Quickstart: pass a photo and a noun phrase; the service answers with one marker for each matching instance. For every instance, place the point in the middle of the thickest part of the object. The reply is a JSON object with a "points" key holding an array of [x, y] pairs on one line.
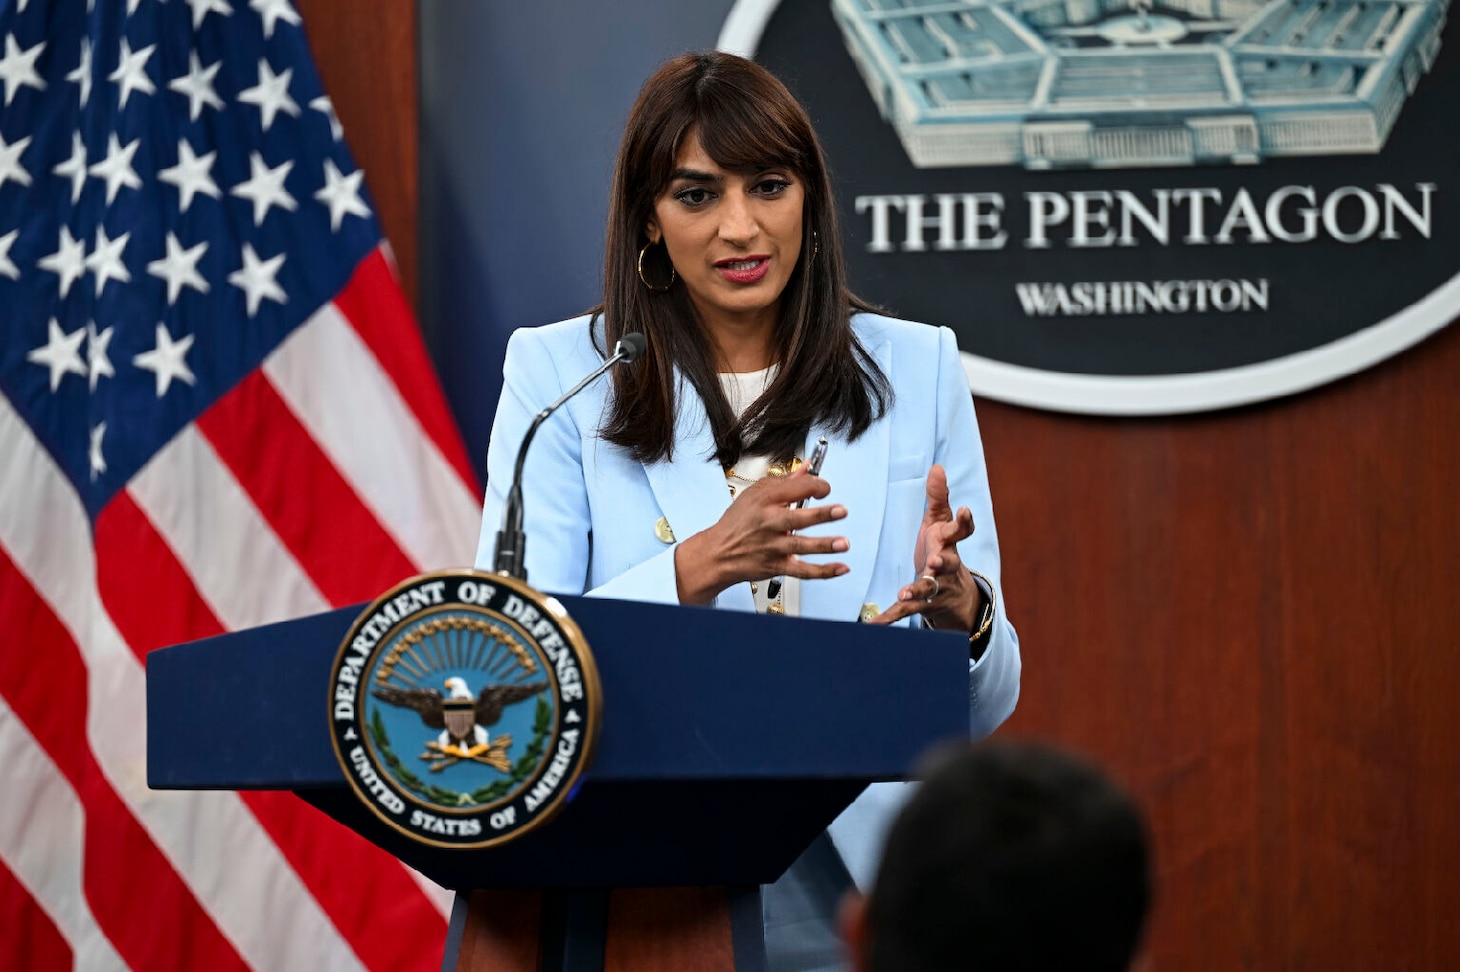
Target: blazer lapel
{"points": [[857, 472], [691, 489]]}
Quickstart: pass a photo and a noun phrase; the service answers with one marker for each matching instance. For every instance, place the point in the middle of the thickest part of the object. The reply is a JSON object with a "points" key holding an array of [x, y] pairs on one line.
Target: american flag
{"points": [[215, 412]]}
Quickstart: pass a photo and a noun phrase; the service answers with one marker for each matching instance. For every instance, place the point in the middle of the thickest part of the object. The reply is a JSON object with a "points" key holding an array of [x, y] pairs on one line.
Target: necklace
{"points": [[737, 483]]}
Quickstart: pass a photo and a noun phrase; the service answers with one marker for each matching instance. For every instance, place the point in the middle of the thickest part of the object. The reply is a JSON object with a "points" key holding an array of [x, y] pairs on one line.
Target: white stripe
{"points": [[440, 898], [215, 844], [42, 828], [235, 559], [333, 383]]}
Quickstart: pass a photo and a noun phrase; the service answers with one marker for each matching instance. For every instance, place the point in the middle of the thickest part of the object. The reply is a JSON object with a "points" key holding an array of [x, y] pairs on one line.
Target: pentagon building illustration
{"points": [[1126, 83]]}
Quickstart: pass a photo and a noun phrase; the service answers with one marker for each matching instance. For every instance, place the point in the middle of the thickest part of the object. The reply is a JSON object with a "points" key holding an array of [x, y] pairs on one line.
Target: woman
{"points": [[679, 481]]}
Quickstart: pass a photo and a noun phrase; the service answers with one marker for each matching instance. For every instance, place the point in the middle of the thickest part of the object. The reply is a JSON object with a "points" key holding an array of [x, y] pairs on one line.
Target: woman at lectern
{"points": [[682, 479]]}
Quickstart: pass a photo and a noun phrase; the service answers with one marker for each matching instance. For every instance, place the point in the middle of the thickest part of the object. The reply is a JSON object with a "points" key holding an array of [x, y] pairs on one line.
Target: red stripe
{"points": [[318, 517], [138, 900], [377, 309], [378, 909], [167, 615], [137, 572], [31, 940]]}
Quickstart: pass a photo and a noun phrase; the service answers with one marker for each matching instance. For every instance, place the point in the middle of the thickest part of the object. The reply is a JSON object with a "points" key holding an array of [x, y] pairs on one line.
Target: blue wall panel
{"points": [[522, 106]]}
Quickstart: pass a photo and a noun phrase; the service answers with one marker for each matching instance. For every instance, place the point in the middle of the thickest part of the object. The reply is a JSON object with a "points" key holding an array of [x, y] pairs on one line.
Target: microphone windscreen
{"points": [[631, 346]]}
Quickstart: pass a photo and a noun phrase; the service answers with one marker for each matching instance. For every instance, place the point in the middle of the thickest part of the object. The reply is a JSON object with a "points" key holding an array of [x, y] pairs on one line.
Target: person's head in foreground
{"points": [[1008, 857]]}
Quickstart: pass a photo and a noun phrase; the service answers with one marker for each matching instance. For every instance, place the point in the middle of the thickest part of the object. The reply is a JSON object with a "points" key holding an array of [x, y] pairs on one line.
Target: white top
{"points": [[742, 390]]}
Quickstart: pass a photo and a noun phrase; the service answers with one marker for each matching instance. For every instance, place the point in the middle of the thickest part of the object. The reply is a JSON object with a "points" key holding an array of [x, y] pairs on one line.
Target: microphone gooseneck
{"points": [[511, 541]]}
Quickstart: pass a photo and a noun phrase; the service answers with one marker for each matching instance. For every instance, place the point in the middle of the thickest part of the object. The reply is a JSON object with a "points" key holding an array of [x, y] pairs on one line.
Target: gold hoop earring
{"points": [[657, 290]]}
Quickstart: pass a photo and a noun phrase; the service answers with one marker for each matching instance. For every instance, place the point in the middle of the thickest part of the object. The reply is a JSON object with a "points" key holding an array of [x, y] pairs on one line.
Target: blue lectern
{"points": [[729, 741]]}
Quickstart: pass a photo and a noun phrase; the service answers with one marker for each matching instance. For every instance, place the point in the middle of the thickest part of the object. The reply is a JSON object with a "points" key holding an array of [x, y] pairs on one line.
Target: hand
{"points": [[944, 592], [755, 539]]}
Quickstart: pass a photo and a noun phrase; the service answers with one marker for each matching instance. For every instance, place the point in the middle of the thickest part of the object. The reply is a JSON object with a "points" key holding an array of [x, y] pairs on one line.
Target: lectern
{"points": [[729, 741]]}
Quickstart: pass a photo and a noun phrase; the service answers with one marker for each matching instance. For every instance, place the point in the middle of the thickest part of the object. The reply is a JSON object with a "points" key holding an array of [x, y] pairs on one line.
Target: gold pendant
{"points": [[662, 530], [774, 607]]}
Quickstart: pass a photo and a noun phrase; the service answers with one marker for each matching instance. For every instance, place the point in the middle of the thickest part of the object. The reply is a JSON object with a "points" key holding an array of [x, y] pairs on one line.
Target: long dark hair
{"points": [[746, 121]]}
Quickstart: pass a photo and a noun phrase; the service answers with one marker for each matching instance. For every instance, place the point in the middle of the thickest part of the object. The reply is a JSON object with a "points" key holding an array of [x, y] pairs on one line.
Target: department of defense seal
{"points": [[463, 707]]}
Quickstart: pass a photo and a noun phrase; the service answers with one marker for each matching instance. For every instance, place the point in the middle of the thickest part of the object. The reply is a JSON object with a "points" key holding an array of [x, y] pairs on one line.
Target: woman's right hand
{"points": [[756, 539]]}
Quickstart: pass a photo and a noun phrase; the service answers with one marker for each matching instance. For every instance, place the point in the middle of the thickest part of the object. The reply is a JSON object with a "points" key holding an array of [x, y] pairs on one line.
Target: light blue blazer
{"points": [[590, 510]]}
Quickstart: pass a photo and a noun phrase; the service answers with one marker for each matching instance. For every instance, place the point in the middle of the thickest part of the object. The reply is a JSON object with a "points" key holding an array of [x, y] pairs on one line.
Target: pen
{"points": [[813, 468]]}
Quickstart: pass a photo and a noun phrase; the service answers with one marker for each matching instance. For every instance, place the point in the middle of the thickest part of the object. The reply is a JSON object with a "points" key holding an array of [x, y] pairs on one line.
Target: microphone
{"points": [[511, 541]]}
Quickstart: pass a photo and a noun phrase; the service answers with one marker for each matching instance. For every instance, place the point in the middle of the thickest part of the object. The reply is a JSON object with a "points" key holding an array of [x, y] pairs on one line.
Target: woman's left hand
{"points": [[944, 592]]}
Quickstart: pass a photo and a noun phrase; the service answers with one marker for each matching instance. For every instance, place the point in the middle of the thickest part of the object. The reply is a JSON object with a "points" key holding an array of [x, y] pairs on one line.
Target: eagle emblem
{"points": [[462, 719], [463, 708]]}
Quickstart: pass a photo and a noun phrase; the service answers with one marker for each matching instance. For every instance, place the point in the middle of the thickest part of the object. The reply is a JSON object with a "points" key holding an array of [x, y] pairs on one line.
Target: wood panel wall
{"points": [[366, 55], [1250, 617]]}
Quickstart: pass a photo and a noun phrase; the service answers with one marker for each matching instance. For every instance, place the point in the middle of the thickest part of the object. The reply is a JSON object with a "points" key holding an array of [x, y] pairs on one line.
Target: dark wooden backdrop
{"points": [[1251, 617]]}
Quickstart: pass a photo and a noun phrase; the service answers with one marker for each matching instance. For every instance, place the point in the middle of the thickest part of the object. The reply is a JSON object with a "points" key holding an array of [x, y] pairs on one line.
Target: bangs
{"points": [[745, 124], [745, 134]]}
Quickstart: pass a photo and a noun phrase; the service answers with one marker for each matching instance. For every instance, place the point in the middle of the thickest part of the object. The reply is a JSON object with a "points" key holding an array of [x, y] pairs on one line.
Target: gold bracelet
{"points": [[986, 622]]}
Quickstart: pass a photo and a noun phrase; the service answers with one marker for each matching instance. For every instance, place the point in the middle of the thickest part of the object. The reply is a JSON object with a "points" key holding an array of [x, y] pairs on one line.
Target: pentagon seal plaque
{"points": [[463, 708], [1138, 207]]}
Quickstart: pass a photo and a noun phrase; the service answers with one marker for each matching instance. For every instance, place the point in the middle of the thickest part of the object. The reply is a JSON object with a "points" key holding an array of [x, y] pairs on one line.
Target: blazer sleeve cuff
{"points": [[653, 581]]}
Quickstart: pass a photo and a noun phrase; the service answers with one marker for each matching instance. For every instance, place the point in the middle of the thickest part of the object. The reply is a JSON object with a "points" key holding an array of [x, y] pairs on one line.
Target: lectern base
{"points": [[619, 930]]}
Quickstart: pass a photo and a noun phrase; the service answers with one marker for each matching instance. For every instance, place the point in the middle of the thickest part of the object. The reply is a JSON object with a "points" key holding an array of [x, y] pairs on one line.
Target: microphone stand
{"points": [[511, 541]]}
